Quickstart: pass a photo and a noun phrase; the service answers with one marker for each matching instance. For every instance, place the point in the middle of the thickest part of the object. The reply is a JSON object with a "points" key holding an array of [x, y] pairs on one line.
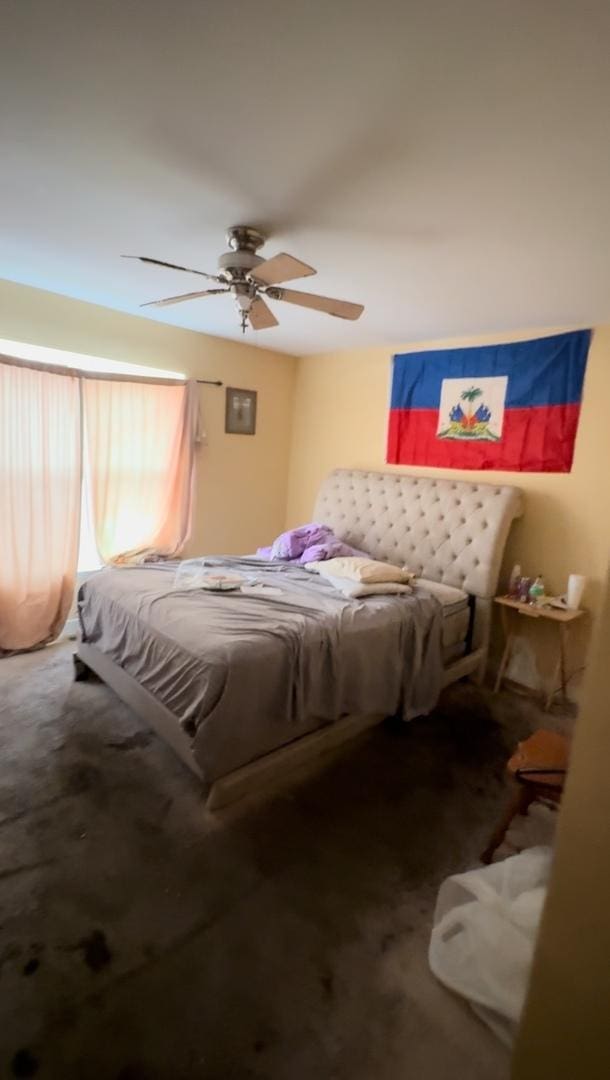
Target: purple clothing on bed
{"points": [[307, 543], [331, 549], [292, 544]]}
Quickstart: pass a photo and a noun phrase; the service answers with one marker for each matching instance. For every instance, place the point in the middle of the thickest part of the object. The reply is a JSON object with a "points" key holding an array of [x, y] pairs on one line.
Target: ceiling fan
{"points": [[249, 279]]}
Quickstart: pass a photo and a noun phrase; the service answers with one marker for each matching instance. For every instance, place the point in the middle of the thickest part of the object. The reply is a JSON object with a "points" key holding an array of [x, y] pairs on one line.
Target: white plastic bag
{"points": [[485, 927], [200, 574]]}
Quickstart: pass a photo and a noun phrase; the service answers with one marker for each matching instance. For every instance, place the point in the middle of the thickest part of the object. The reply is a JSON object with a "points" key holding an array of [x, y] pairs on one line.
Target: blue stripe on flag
{"points": [[545, 371]]}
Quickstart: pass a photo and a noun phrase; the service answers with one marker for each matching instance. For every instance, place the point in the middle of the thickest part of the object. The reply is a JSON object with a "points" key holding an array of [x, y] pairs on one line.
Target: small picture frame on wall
{"points": [[240, 411]]}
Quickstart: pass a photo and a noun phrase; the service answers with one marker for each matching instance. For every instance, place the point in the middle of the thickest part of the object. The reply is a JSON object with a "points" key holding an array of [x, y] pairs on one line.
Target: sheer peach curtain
{"points": [[40, 483], [140, 442]]}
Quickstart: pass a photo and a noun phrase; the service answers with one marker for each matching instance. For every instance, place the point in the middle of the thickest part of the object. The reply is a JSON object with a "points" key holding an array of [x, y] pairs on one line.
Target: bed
{"points": [[250, 685]]}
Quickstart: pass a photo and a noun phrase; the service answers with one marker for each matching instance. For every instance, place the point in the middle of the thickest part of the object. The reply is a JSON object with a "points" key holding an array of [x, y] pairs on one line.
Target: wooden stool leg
{"points": [[522, 797]]}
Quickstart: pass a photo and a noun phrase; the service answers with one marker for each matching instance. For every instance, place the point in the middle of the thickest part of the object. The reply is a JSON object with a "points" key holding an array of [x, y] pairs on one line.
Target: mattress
{"points": [[246, 672], [456, 617]]}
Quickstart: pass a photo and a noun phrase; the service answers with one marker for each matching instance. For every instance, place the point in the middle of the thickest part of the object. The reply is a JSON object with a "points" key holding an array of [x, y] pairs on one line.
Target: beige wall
{"points": [[242, 480], [341, 408], [565, 1032]]}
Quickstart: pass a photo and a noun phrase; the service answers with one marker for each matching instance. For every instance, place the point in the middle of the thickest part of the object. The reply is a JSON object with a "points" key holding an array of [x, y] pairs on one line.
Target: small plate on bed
{"points": [[220, 582]]}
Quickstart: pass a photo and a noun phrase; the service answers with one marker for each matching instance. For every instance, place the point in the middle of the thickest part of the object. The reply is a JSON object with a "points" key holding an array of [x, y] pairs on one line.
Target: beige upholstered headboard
{"points": [[445, 530]]}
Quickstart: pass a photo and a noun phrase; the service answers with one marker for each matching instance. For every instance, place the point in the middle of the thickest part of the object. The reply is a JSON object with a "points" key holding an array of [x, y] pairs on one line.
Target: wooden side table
{"points": [[562, 620]]}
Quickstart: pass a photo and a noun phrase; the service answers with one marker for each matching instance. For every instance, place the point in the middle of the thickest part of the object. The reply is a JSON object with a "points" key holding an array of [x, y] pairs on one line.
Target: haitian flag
{"points": [[511, 407]]}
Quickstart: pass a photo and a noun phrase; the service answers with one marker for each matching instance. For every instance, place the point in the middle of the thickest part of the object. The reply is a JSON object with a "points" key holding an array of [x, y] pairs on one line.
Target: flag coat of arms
{"points": [[510, 407]]}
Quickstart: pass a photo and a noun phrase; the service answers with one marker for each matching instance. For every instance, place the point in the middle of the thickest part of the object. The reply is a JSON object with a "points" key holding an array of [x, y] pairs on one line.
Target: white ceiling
{"points": [[446, 164]]}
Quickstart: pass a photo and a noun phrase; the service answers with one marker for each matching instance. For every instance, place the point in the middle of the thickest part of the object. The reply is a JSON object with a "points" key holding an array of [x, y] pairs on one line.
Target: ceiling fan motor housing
{"points": [[244, 241], [244, 238], [236, 264]]}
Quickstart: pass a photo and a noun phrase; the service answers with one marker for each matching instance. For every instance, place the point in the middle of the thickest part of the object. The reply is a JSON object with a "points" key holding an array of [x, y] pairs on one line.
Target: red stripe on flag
{"points": [[537, 439]]}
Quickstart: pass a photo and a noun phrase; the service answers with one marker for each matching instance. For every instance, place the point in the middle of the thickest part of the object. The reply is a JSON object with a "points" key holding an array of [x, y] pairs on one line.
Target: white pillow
{"points": [[355, 589], [358, 568]]}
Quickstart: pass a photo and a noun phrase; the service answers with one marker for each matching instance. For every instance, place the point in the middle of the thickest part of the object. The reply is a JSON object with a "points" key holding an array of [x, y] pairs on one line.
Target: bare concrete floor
{"points": [[139, 941]]}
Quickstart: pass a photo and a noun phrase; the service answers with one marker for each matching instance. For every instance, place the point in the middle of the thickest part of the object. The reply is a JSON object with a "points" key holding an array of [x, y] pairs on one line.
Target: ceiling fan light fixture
{"points": [[243, 301], [249, 278]]}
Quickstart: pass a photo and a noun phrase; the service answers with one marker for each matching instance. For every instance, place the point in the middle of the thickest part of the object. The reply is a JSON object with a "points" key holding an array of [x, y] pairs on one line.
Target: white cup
{"points": [[576, 587]]}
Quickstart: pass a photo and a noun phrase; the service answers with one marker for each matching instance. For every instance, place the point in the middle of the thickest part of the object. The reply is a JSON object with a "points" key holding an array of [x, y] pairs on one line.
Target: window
{"points": [[88, 557]]}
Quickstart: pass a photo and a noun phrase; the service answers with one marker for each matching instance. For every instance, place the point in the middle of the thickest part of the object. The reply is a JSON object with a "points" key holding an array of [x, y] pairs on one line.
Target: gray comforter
{"points": [[246, 672]]}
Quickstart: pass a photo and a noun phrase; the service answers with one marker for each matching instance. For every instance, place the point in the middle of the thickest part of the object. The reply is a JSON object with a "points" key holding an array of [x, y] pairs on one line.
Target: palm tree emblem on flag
{"points": [[466, 422]]}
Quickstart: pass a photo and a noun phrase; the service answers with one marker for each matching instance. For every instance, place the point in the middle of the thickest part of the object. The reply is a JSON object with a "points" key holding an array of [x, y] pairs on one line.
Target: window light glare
{"points": [[42, 354]]}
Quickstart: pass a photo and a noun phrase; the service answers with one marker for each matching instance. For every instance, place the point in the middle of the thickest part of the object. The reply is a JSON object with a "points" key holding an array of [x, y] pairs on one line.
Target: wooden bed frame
{"points": [[419, 533], [261, 774], [249, 779]]}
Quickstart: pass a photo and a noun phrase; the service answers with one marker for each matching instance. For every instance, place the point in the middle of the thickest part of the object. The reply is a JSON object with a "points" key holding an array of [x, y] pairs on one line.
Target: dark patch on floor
{"points": [[81, 777], [287, 941], [25, 868], [94, 947], [133, 1072], [24, 1063]]}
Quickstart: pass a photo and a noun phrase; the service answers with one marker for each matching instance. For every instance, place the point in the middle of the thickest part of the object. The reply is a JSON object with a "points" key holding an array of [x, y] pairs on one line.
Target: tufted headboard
{"points": [[445, 530]]}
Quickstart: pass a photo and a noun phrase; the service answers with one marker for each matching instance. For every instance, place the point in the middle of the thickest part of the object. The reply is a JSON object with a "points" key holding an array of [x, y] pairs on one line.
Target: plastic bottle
{"points": [[536, 590], [524, 589]]}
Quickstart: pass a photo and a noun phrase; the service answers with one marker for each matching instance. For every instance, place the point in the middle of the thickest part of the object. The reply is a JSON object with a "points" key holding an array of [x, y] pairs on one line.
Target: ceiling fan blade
{"points": [[281, 267], [260, 315], [342, 309], [185, 296], [171, 266]]}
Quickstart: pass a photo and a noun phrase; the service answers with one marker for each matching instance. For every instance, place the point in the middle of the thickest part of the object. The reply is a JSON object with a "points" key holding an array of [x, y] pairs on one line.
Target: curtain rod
{"points": [[79, 373]]}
